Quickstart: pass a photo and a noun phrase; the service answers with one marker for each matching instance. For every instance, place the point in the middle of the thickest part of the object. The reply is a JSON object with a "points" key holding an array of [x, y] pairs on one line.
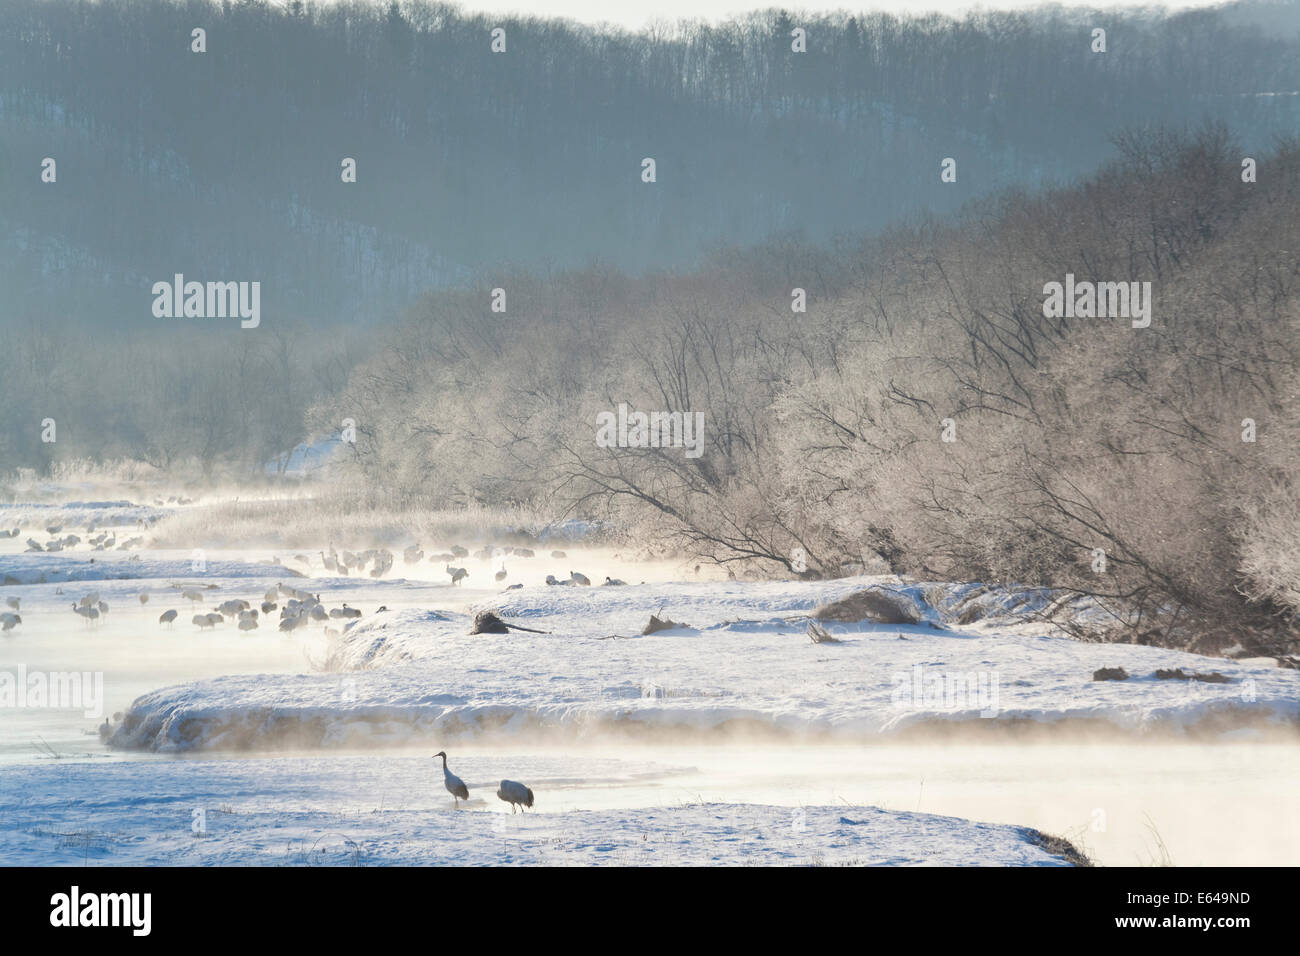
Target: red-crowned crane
{"points": [[455, 786], [513, 792]]}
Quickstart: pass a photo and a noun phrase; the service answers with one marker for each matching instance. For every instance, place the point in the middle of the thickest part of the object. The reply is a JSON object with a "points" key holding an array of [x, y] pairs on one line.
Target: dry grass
{"points": [[315, 522], [819, 635], [1060, 846]]}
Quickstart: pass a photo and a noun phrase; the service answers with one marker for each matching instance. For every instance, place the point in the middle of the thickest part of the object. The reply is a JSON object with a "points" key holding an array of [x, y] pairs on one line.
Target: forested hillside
{"points": [[226, 164], [926, 414]]}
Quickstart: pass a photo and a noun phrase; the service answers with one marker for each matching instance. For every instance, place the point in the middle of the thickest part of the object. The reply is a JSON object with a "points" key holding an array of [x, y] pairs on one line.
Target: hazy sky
{"points": [[636, 14]]}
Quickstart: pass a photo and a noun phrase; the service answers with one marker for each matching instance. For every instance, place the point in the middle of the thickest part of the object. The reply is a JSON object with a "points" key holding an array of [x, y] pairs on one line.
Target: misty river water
{"points": [[1124, 801]]}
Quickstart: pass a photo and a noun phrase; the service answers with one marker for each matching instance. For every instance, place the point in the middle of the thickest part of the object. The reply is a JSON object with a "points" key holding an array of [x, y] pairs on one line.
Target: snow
{"points": [[75, 516], [286, 760], [743, 664], [363, 810]]}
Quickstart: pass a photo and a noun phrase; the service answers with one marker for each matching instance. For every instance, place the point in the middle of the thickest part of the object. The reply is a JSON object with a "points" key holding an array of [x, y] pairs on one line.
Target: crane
{"points": [[513, 792], [455, 786]]}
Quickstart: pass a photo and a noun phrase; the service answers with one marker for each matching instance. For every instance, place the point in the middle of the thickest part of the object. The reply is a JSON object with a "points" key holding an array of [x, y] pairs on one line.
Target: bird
{"points": [[166, 617], [295, 622], [144, 598], [86, 611], [268, 607], [455, 786], [612, 581], [9, 621], [457, 574], [203, 620], [412, 554], [558, 554], [513, 792], [501, 575], [13, 602], [577, 577]]}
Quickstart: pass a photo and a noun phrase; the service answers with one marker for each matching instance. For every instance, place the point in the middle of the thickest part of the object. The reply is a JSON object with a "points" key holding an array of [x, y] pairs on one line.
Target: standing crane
{"points": [[513, 792], [455, 786]]}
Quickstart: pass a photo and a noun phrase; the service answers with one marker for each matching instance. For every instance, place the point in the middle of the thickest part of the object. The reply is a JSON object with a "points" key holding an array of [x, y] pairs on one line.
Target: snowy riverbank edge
{"points": [[364, 811], [741, 664]]}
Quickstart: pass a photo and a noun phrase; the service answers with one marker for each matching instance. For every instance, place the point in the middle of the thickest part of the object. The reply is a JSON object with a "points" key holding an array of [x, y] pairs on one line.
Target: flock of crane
{"points": [[300, 609], [104, 541], [347, 563], [511, 791], [297, 608]]}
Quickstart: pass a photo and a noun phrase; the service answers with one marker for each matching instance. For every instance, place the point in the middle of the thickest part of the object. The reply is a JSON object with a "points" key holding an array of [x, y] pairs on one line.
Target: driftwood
{"points": [[486, 622], [1110, 673], [819, 635], [1214, 677], [667, 624], [873, 604]]}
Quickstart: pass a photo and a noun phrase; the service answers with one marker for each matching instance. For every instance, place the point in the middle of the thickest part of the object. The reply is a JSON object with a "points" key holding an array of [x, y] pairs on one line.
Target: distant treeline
{"points": [[924, 415], [225, 165], [191, 402]]}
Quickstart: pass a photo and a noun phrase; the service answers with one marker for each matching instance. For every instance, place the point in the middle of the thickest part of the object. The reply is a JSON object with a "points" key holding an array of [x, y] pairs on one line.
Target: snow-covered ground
{"points": [[776, 720], [369, 811], [744, 664]]}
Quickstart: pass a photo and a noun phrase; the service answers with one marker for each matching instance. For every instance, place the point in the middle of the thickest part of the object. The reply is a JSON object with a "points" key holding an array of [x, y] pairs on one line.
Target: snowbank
{"points": [[744, 664], [373, 811]]}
